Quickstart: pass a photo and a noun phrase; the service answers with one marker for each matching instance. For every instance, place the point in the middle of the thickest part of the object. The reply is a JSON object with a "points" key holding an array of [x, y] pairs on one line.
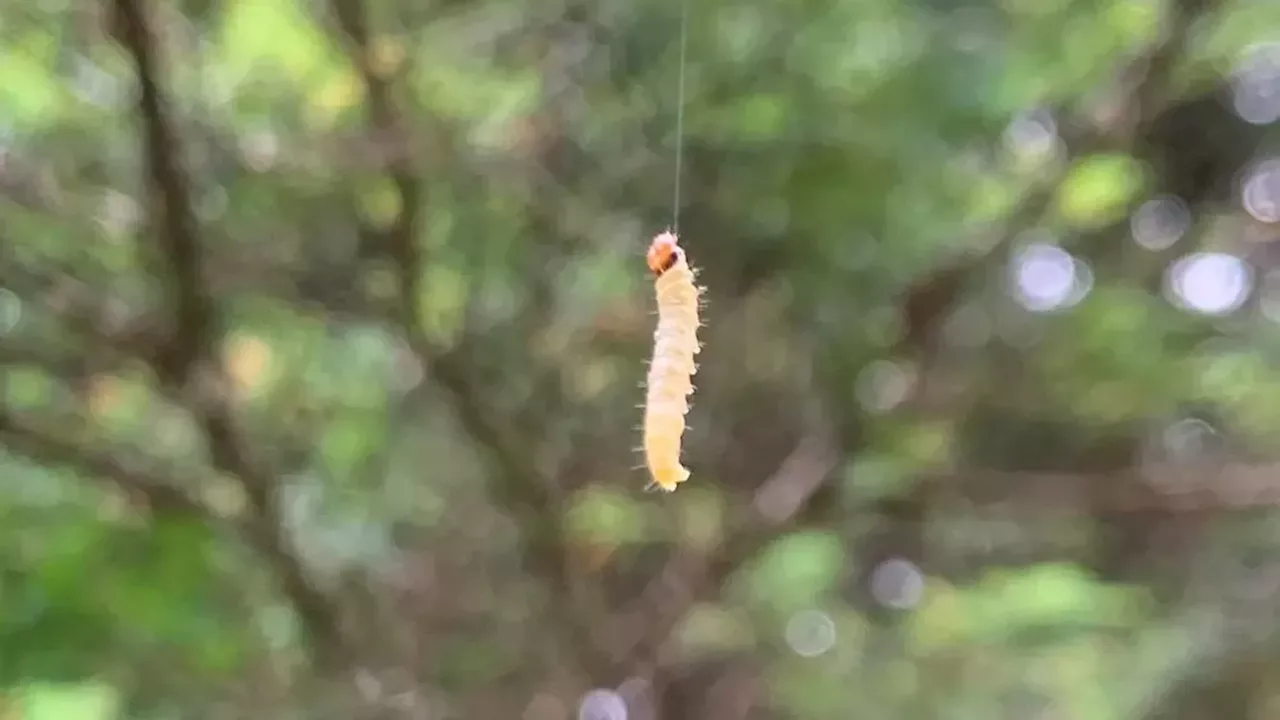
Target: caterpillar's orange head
{"points": [[664, 252]]}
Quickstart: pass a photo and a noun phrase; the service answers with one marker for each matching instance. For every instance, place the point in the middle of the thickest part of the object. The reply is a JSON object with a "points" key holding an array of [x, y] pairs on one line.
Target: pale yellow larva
{"points": [[675, 343]]}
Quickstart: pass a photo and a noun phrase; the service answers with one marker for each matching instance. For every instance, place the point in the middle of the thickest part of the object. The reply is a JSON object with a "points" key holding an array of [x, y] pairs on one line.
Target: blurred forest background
{"points": [[322, 325]]}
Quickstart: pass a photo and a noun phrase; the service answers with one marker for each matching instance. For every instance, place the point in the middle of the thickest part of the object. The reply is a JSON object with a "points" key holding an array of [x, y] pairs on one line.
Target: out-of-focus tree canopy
{"points": [[323, 324]]}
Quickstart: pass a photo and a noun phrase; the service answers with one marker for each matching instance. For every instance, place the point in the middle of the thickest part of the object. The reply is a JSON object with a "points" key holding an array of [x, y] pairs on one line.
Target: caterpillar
{"points": [[675, 343]]}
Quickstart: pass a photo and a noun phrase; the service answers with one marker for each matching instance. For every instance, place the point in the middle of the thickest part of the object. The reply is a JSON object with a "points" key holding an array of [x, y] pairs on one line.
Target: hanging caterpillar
{"points": [[675, 343]]}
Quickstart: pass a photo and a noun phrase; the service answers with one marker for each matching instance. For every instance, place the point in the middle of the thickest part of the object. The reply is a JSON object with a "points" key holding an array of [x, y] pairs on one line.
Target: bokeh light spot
{"points": [[1048, 278], [1160, 222], [1255, 85], [1032, 136], [1261, 193], [883, 385], [897, 583], [1189, 439], [1209, 283], [810, 633], [601, 704], [10, 311]]}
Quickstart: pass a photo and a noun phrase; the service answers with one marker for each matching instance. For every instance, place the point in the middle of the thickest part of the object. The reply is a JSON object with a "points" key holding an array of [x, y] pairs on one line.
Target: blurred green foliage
{"points": [[396, 480]]}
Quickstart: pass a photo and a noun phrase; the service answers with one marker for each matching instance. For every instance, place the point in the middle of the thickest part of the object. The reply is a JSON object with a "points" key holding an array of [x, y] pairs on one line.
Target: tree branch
{"points": [[1158, 487], [195, 333], [393, 141], [194, 314], [521, 488], [131, 471]]}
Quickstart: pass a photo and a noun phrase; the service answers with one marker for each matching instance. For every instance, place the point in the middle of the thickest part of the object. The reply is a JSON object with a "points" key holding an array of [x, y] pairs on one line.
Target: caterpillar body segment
{"points": [[675, 345]]}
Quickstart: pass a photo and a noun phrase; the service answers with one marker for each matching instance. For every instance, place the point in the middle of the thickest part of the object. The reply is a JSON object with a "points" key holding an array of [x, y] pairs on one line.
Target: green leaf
{"points": [[1098, 189], [876, 476], [30, 95], [607, 517], [26, 388], [275, 32], [442, 302], [796, 570], [1052, 597], [714, 628], [347, 442], [759, 118], [88, 701]]}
